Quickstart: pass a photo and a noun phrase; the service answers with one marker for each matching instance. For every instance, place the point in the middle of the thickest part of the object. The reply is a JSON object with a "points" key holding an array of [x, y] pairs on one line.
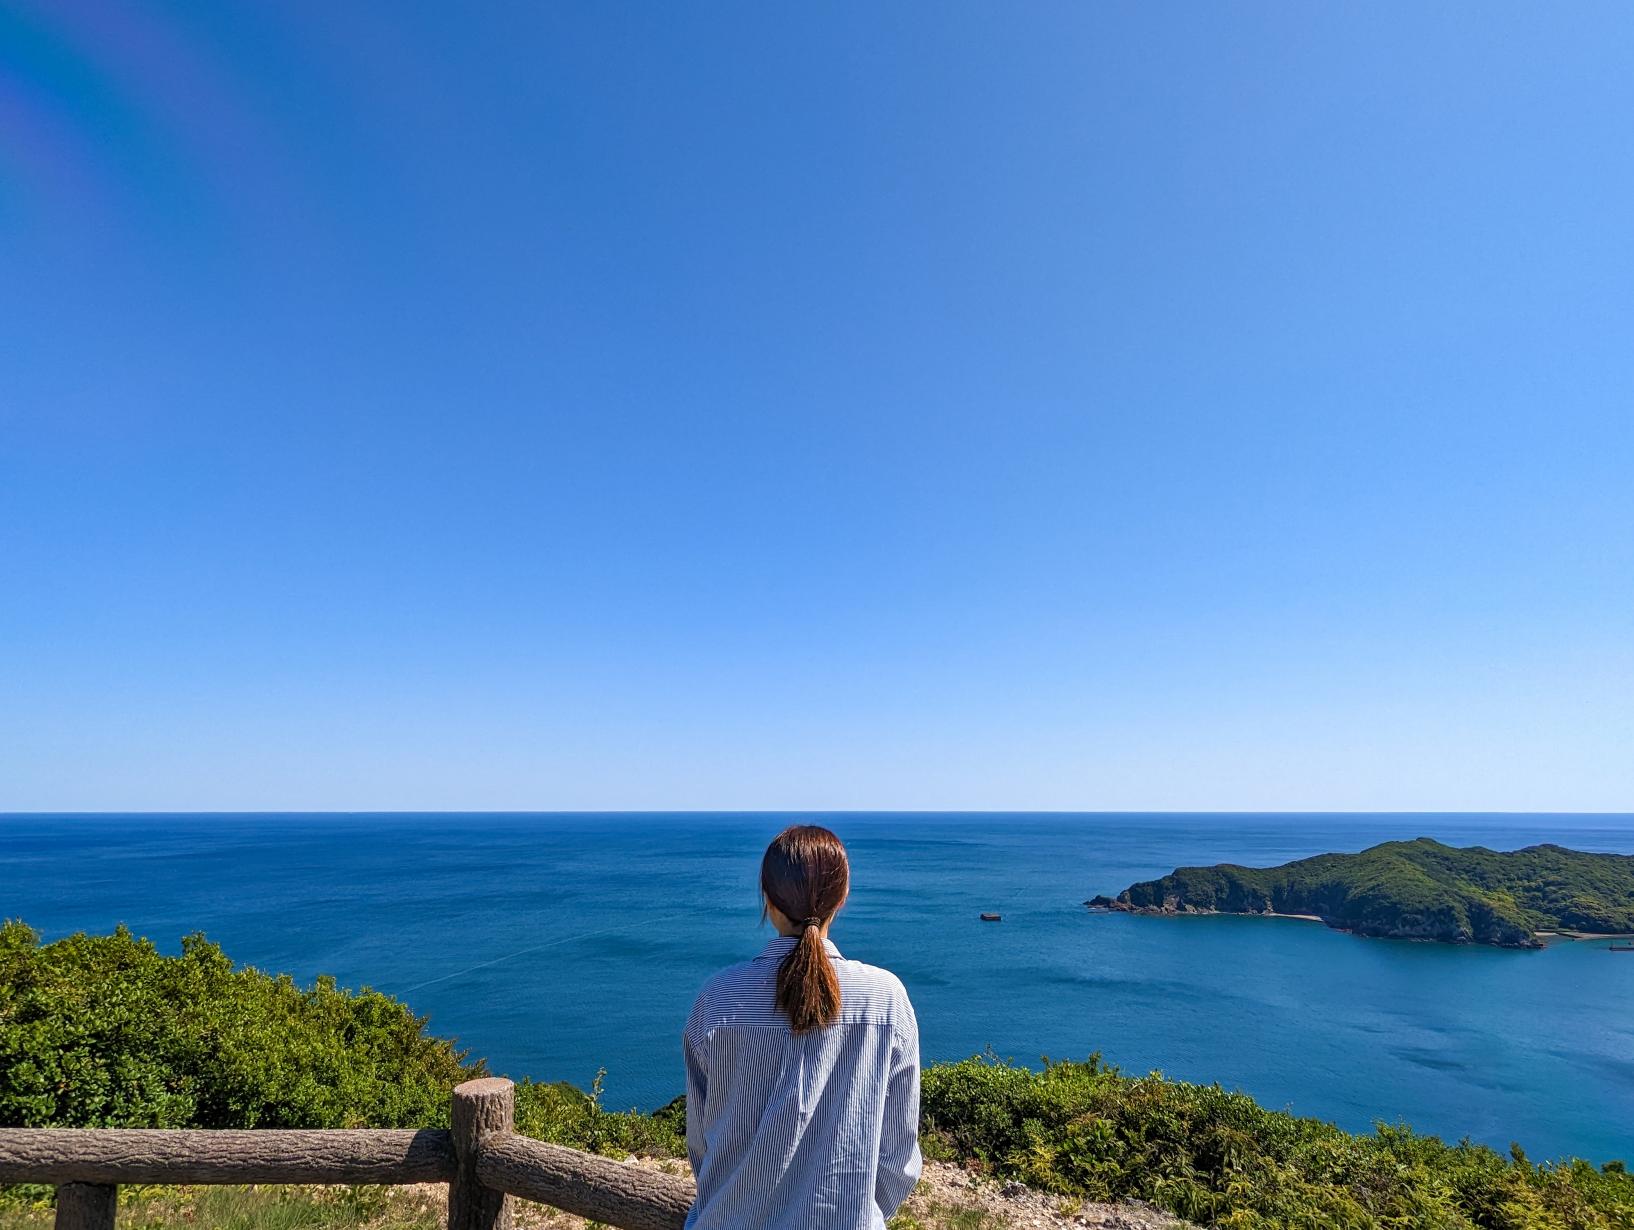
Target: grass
{"points": [[946, 1217], [255, 1208], [419, 1207]]}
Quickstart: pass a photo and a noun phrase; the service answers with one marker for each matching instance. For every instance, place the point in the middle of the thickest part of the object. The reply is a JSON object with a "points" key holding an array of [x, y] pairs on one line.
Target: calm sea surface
{"points": [[555, 945]]}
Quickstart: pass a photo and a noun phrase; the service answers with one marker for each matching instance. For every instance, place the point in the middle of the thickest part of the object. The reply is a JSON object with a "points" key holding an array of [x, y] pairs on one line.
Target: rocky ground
{"points": [[948, 1198], [951, 1198]]}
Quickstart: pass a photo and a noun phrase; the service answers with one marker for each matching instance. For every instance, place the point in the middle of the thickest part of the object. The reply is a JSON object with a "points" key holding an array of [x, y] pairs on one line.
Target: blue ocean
{"points": [[557, 945]]}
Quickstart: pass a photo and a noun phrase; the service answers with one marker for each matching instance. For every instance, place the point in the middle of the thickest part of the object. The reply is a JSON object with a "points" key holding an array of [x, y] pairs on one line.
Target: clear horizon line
{"points": [[810, 811]]}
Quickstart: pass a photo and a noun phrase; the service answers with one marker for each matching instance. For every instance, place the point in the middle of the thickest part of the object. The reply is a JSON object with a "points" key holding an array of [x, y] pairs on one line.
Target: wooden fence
{"points": [[481, 1159]]}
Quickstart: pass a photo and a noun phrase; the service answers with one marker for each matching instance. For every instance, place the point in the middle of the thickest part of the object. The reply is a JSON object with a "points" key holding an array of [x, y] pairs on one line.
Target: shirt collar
{"points": [[778, 945]]}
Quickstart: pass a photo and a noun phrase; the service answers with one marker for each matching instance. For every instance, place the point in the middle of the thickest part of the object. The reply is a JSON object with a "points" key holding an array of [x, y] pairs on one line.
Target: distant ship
{"points": [[992, 918]]}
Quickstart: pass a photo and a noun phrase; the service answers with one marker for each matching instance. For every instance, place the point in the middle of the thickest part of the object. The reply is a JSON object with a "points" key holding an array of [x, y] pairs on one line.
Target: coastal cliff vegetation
{"points": [[1413, 890], [106, 1031]]}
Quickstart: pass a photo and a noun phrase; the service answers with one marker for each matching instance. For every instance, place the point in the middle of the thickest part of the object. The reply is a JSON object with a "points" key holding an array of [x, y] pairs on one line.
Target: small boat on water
{"points": [[1620, 947], [992, 918]]}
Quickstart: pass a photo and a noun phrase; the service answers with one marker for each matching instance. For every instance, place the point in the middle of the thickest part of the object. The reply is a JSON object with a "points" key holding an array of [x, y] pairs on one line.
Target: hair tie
{"points": [[811, 922]]}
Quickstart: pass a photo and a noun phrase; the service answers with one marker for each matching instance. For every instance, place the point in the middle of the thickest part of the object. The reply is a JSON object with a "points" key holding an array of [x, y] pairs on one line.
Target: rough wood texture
{"points": [[147, 1155], [86, 1206], [582, 1183], [483, 1110]]}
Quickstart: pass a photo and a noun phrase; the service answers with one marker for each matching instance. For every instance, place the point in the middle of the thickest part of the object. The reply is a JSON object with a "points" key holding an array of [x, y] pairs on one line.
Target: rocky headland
{"points": [[1419, 890]]}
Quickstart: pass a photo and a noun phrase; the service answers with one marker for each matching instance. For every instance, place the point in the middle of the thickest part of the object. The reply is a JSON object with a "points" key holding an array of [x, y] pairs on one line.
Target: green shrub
{"points": [[1221, 1159], [566, 1115], [104, 1031]]}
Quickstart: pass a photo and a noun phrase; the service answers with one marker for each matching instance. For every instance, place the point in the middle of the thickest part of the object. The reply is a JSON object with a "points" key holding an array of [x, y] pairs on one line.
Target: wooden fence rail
{"points": [[481, 1159], [140, 1155]]}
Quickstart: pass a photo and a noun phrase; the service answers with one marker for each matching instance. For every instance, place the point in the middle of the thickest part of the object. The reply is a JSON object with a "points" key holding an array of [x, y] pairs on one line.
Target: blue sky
{"points": [[745, 406]]}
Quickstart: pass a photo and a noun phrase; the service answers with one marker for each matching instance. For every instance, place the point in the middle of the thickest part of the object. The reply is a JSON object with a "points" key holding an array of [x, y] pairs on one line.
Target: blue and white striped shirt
{"points": [[812, 1131]]}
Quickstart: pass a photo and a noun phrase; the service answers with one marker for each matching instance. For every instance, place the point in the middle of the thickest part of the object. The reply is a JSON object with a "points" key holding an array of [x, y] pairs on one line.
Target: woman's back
{"points": [[802, 1074], [801, 1130]]}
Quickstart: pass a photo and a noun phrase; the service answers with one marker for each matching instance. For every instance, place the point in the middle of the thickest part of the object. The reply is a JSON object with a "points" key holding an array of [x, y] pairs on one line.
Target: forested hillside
{"points": [[1415, 890]]}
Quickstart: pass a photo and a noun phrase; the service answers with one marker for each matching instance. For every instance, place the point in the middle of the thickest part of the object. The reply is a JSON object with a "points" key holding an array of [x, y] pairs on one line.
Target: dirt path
{"points": [[948, 1198]]}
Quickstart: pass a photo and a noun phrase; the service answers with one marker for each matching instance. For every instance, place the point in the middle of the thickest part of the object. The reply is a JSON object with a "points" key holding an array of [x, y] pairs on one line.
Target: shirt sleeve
{"points": [[899, 1160], [697, 1091]]}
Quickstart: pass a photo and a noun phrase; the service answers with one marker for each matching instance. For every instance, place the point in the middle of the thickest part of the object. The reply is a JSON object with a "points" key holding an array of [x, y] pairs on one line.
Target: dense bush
{"points": [[1221, 1159], [565, 1115], [104, 1031]]}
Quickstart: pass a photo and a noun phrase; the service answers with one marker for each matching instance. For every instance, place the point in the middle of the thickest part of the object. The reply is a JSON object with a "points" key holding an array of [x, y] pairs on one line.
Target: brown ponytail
{"points": [[805, 875]]}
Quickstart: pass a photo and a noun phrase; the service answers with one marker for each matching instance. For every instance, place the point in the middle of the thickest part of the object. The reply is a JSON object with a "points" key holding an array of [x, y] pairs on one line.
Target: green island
{"points": [[105, 1031], [1420, 890]]}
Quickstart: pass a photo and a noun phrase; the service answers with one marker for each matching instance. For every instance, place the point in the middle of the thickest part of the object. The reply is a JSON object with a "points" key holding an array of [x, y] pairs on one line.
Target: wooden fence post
{"points": [[86, 1206], [481, 1108]]}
